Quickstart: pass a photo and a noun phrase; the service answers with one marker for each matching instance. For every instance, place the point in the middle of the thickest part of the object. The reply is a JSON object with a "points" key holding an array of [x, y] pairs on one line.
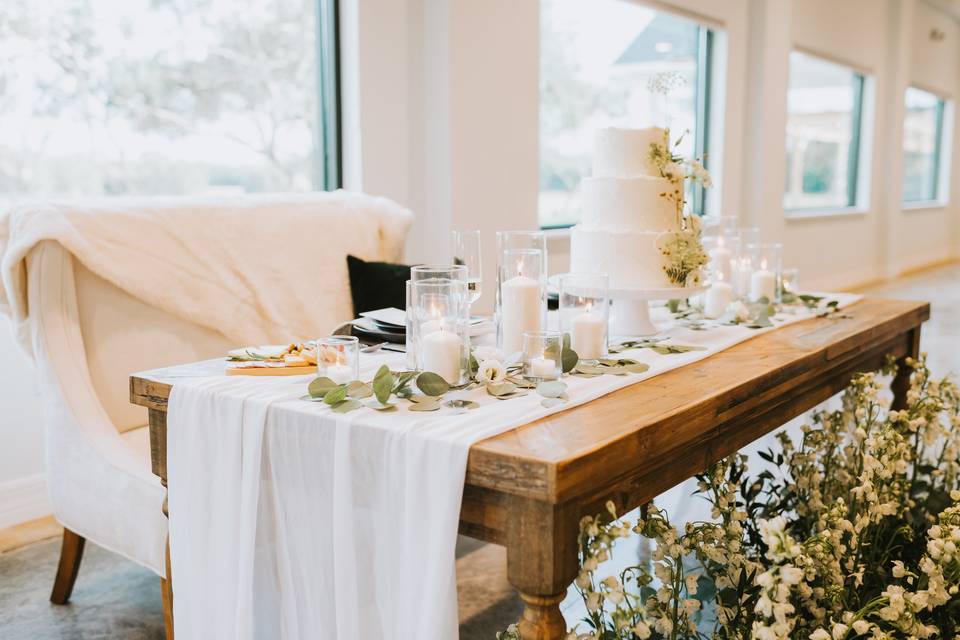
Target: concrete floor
{"points": [[116, 599]]}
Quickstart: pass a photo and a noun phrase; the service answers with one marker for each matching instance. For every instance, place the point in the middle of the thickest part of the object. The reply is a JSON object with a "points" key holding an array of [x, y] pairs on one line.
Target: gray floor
{"points": [[116, 599]]}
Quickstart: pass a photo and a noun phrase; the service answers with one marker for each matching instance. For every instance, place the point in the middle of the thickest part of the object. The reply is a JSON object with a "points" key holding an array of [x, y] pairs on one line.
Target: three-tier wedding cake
{"points": [[631, 213]]}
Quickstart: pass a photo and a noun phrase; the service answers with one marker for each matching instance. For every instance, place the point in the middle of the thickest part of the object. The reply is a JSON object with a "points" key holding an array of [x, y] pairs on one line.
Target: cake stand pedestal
{"points": [[630, 308]]}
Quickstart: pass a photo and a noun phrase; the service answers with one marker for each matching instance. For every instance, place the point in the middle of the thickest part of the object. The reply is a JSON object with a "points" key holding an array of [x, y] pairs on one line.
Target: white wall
{"points": [[464, 77], [22, 489]]}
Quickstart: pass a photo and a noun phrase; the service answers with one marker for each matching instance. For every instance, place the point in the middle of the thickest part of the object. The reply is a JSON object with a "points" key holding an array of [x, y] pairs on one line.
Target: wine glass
{"points": [[466, 251]]}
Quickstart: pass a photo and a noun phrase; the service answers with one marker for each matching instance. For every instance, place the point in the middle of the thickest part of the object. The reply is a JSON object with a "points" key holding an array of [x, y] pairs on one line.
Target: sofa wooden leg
{"points": [[71, 553]]}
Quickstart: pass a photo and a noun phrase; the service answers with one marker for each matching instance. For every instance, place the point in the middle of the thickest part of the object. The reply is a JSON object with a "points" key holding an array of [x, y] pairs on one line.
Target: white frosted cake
{"points": [[626, 216]]}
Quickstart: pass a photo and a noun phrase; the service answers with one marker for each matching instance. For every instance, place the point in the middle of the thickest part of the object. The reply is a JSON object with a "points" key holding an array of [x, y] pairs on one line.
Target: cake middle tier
{"points": [[632, 259], [642, 203]]}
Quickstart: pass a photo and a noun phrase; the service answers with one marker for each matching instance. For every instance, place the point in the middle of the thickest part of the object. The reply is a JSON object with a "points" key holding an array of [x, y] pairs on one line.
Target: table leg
{"points": [[158, 460], [541, 563], [901, 382]]}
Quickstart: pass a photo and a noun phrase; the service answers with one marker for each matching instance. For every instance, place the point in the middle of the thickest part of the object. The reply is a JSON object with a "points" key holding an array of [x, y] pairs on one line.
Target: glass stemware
{"points": [[466, 251]]}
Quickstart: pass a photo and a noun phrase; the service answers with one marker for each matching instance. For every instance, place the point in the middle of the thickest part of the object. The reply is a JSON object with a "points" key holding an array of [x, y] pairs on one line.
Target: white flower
{"points": [[738, 312], [820, 634], [491, 371], [641, 630]]}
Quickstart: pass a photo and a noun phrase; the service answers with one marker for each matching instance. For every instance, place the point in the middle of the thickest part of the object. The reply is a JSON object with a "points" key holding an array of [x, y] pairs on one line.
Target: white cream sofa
{"points": [[87, 336]]}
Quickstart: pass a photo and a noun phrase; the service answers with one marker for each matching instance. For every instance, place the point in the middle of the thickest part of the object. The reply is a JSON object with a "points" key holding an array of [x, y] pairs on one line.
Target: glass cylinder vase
{"points": [[428, 272], [542, 355], [338, 358], [723, 251], [440, 328], [584, 313], [521, 298], [765, 278]]}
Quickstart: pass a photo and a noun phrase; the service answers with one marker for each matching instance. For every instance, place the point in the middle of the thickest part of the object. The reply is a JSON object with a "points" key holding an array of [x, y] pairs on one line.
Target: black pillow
{"points": [[377, 285]]}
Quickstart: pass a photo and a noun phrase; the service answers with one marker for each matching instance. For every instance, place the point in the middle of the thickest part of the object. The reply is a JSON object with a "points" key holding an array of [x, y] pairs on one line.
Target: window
{"points": [[167, 97], [824, 112], [922, 142], [595, 60]]}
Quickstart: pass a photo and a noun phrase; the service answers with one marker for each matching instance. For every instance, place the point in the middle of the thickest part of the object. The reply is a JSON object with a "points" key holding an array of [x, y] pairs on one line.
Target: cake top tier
{"points": [[625, 153]]}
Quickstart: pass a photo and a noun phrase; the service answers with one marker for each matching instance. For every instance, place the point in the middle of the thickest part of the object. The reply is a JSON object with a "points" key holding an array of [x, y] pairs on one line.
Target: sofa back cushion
{"points": [[124, 335]]}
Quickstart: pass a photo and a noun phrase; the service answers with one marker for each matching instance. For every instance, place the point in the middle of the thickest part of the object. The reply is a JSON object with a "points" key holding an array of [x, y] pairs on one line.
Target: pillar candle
{"points": [[720, 257], [543, 368], [440, 354], [339, 373], [587, 334], [763, 284], [718, 296], [520, 311]]}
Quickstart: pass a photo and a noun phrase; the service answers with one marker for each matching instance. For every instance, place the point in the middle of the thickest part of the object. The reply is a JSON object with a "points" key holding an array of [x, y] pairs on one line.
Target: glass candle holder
{"points": [[584, 313], [723, 251], [427, 272], [748, 236], [441, 335], [789, 283], [765, 278], [338, 358], [542, 355], [521, 298], [741, 269]]}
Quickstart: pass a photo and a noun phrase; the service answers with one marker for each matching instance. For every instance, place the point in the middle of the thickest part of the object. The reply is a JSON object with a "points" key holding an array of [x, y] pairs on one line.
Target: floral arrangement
{"points": [[427, 391], [852, 532], [683, 249]]}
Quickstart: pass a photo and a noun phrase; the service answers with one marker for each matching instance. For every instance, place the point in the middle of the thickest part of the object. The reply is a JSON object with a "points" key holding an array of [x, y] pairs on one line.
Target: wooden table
{"points": [[527, 489]]}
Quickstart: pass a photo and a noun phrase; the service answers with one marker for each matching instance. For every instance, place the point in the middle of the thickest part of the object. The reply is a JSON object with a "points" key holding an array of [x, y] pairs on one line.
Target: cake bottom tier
{"points": [[632, 259]]}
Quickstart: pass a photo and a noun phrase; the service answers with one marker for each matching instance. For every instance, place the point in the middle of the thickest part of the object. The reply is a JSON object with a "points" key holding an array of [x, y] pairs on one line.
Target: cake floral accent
{"points": [[685, 256], [683, 249]]}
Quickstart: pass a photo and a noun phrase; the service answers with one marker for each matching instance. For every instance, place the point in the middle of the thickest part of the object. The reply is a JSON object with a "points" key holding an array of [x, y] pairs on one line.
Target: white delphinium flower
{"points": [[737, 312]]}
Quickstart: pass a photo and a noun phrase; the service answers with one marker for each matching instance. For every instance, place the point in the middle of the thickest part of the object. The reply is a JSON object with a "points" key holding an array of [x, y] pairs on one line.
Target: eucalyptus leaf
{"points": [[637, 367], [310, 398], [421, 398], [551, 388], [552, 402], [382, 371], [432, 384], [462, 404], [568, 359], [321, 386], [347, 406], [336, 395], [375, 404], [501, 388], [433, 405], [383, 385], [358, 389]]}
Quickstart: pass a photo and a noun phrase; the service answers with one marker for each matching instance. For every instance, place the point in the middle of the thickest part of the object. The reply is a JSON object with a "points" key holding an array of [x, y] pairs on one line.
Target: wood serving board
{"points": [[271, 371]]}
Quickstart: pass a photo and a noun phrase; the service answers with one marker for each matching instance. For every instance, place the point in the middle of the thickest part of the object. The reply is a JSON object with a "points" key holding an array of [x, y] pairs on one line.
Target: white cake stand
{"points": [[630, 308]]}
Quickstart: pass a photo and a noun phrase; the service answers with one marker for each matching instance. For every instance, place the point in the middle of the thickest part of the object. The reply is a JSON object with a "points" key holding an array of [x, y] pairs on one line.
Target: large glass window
{"points": [[595, 61], [922, 141], [824, 109], [166, 97]]}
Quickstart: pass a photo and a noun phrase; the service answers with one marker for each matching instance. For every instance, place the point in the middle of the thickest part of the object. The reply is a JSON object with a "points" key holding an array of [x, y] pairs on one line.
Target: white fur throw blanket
{"points": [[261, 268]]}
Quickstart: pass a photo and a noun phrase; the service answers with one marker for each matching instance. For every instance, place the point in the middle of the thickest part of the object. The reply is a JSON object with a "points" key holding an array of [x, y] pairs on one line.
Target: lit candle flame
{"points": [[763, 263]]}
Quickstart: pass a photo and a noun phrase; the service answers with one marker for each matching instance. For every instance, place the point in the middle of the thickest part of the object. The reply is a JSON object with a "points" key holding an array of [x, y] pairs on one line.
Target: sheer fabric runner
{"points": [[290, 521]]}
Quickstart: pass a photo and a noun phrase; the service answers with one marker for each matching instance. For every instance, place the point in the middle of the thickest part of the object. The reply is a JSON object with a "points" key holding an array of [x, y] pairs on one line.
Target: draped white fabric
{"points": [[288, 520]]}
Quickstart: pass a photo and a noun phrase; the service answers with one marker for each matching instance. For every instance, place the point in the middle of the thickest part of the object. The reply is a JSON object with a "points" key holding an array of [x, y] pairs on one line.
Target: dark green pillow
{"points": [[377, 285]]}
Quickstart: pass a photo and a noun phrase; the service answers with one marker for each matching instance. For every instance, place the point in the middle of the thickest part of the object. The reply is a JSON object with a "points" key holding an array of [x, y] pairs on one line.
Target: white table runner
{"points": [[290, 521]]}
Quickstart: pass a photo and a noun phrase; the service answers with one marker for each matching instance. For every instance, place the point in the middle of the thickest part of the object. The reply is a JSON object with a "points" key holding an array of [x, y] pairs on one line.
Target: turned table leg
{"points": [[541, 563]]}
